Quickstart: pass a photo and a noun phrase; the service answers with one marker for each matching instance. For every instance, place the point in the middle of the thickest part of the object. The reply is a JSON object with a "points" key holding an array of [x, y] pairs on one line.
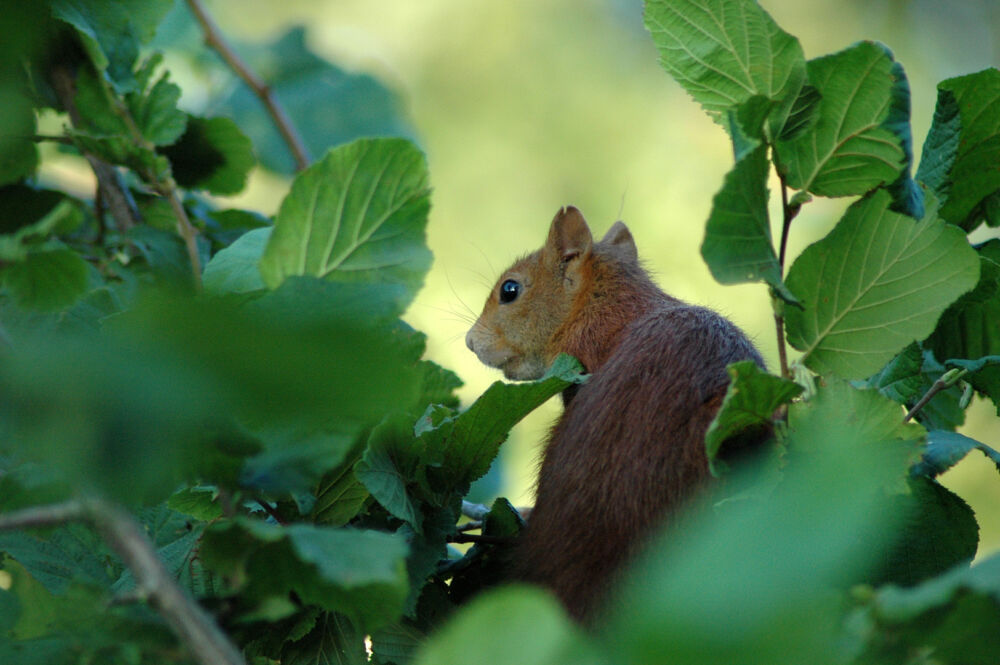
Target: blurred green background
{"points": [[526, 105]]}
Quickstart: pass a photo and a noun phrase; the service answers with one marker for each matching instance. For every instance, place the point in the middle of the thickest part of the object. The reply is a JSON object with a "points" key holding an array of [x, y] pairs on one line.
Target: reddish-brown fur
{"points": [[629, 447]]}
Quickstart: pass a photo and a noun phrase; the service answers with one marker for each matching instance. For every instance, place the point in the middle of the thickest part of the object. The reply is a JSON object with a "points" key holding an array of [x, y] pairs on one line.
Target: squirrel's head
{"points": [[519, 329]]}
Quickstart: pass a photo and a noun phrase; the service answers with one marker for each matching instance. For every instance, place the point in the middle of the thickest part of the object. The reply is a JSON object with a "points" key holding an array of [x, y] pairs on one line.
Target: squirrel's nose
{"points": [[468, 341]]}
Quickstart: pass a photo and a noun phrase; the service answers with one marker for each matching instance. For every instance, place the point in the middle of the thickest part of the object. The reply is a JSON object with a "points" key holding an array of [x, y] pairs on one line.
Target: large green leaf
{"points": [[737, 245], [855, 144], [358, 215], [235, 268], [361, 574], [962, 149], [726, 52], [327, 105], [876, 283]]}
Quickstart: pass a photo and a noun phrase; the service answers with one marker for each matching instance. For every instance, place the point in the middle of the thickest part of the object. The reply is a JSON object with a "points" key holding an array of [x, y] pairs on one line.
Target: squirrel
{"points": [[629, 448]]}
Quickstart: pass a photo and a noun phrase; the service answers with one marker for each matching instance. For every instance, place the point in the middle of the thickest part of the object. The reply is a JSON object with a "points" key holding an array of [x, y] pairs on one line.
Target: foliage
{"points": [[297, 466]]}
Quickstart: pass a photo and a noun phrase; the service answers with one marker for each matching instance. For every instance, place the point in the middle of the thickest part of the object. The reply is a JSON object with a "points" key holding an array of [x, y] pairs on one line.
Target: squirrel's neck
{"points": [[613, 296]]}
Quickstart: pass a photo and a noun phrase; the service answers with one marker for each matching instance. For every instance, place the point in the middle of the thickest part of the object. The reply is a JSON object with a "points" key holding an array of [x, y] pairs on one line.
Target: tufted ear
{"points": [[569, 236], [619, 238]]}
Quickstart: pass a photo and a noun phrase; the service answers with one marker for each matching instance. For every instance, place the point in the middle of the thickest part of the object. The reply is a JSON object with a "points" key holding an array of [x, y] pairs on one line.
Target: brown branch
{"points": [[194, 627], [110, 187], [270, 510], [215, 40]]}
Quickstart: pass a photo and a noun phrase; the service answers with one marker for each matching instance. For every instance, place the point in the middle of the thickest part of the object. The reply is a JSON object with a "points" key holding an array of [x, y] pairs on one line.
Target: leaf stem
{"points": [[194, 627], [947, 380], [214, 39], [788, 213], [473, 538]]}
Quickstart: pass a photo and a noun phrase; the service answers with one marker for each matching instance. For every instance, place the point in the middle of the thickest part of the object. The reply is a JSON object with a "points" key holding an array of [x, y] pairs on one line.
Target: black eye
{"points": [[509, 291]]}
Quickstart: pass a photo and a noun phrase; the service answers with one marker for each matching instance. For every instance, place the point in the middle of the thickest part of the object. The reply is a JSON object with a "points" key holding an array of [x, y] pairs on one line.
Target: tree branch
{"points": [[214, 39], [472, 538], [194, 627]]}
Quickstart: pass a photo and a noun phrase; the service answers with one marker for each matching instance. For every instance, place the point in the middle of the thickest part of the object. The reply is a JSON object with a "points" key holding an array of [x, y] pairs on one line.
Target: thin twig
{"points": [[194, 627], [787, 215], [269, 509], [474, 511], [215, 40], [779, 325], [472, 538], [947, 380]]}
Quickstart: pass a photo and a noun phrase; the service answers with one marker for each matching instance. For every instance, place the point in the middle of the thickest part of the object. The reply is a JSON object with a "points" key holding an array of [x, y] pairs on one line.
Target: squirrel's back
{"points": [[629, 448]]}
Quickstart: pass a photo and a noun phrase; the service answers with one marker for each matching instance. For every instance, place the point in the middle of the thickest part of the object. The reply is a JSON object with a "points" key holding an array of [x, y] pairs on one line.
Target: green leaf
{"points": [[332, 640], [939, 616], [212, 154], [726, 52], [361, 574], [967, 330], [803, 114], [908, 376], [66, 555], [327, 105], [340, 497], [197, 502], [877, 282], [396, 644], [156, 114], [855, 145], [18, 154], [516, 624], [462, 447], [388, 464], [946, 449], [235, 268], [937, 530], [356, 216], [737, 246], [963, 147], [47, 280], [750, 402]]}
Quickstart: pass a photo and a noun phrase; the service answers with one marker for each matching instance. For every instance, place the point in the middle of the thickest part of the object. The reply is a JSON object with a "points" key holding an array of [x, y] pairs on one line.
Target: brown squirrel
{"points": [[629, 447]]}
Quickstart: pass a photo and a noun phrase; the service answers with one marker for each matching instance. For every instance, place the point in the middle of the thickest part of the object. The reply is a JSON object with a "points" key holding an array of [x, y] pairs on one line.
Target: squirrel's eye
{"points": [[509, 291]]}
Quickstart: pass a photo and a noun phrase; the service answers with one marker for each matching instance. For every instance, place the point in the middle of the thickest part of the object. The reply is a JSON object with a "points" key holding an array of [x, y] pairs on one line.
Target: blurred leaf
{"points": [[25, 206], [358, 573], [47, 280], [963, 147], [516, 624], [908, 376], [212, 154], [18, 153], [112, 32], [727, 52], [749, 404], [396, 644], [358, 215], [327, 105], [154, 109], [235, 268], [946, 449], [855, 144], [967, 330], [737, 246], [876, 283]]}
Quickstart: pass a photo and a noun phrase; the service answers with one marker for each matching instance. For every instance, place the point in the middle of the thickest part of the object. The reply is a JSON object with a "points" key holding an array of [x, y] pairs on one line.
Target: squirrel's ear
{"points": [[569, 235], [620, 239]]}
